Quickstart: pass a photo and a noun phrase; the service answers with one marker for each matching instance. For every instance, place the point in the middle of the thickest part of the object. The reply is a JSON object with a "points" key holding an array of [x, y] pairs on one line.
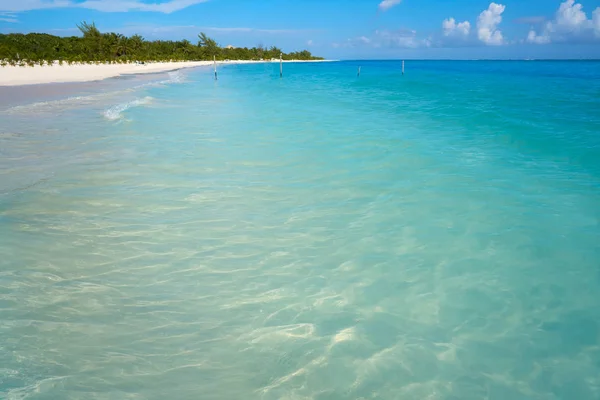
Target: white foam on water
{"points": [[175, 77], [116, 112], [52, 106]]}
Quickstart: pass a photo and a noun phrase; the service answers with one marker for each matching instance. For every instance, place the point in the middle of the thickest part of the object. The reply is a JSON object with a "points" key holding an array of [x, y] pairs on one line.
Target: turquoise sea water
{"points": [[320, 236]]}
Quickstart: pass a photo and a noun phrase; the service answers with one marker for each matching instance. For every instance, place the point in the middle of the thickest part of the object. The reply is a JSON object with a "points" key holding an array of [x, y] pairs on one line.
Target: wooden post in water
{"points": [[281, 65], [215, 61], [402, 67], [358, 72]]}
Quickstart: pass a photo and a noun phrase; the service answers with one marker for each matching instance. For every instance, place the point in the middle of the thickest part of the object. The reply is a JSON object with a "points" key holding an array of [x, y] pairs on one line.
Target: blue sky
{"points": [[343, 29]]}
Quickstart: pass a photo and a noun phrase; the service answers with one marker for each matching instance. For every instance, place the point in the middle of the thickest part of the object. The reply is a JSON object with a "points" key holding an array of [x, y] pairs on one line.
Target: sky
{"points": [[338, 29]]}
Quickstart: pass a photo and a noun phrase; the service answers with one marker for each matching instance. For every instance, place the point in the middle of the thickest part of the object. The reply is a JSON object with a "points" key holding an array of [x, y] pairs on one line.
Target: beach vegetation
{"points": [[93, 46]]}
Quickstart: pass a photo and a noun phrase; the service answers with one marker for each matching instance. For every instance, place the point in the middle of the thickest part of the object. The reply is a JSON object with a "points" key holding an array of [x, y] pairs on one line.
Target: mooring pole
{"points": [[358, 72], [402, 67], [215, 61], [281, 65]]}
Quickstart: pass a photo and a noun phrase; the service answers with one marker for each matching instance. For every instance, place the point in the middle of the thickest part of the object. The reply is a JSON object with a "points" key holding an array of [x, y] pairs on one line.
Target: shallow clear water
{"points": [[322, 236]]}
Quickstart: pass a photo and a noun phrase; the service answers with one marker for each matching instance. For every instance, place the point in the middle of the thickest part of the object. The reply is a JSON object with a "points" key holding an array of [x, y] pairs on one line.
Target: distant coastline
{"points": [[35, 58], [12, 75]]}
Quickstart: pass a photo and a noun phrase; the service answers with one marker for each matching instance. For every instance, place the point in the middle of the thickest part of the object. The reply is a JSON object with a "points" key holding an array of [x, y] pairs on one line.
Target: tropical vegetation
{"points": [[94, 46]]}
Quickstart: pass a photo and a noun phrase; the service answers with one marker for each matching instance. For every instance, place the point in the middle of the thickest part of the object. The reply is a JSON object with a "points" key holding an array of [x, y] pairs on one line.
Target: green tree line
{"points": [[95, 46]]}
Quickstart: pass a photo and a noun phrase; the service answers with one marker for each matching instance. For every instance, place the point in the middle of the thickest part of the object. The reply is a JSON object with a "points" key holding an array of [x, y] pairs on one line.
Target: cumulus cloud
{"points": [[570, 21], [533, 37], [570, 24], [387, 4], [570, 15], [487, 25], [456, 33], [451, 28], [98, 5]]}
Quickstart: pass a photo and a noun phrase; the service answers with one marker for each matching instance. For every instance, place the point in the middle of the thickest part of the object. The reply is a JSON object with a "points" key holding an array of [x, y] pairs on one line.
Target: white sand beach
{"points": [[55, 73]]}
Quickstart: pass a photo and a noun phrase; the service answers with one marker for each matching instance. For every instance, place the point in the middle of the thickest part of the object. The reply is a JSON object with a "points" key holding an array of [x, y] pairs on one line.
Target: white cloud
{"points": [[387, 4], [487, 25], [570, 24], [250, 30], [533, 37], [451, 28], [98, 5], [361, 41], [309, 42], [177, 32], [8, 17], [400, 38], [570, 15]]}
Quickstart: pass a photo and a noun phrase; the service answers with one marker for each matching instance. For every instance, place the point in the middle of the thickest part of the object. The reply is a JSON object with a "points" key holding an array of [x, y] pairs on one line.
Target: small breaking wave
{"points": [[116, 112], [175, 77], [53, 106]]}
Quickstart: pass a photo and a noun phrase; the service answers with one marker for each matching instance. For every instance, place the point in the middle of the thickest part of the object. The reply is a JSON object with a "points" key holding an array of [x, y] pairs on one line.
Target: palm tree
{"points": [[205, 41], [89, 30], [92, 39], [136, 42], [120, 46], [209, 45], [274, 52]]}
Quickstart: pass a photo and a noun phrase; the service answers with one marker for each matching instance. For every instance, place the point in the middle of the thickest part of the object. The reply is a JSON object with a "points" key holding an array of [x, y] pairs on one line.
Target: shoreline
{"points": [[55, 73]]}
